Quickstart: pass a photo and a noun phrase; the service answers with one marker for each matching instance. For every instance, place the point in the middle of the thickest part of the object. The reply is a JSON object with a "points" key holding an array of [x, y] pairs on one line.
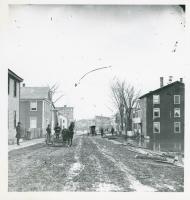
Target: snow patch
{"points": [[169, 187], [75, 169], [134, 183]]}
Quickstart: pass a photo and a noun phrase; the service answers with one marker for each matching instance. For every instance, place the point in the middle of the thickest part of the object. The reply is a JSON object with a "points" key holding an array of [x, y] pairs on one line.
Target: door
{"points": [[33, 122]]}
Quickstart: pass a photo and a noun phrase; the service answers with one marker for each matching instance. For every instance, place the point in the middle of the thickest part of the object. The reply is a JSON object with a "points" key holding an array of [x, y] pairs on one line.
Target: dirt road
{"points": [[91, 164]]}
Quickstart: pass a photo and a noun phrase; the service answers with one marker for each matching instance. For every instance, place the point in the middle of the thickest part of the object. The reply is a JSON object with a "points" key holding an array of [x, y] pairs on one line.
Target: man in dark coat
{"points": [[48, 130], [57, 130], [64, 134], [102, 132], [71, 133], [112, 130], [18, 133]]}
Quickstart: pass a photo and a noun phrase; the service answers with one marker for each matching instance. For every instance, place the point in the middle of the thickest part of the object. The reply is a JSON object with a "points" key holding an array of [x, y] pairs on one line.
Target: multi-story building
{"points": [[102, 122], [162, 111], [37, 110], [68, 113], [13, 104], [137, 119], [84, 124]]}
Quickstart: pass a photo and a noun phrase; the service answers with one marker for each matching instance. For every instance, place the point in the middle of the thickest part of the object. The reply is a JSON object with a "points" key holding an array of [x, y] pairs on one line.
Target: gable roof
{"points": [[162, 88], [15, 76], [34, 92]]}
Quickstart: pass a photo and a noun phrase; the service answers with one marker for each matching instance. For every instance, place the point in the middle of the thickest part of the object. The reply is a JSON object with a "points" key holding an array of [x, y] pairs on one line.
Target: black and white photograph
{"points": [[96, 97]]}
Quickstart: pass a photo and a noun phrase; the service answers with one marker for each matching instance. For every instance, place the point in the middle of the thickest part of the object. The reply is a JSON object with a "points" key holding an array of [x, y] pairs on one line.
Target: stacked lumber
{"points": [[162, 157]]}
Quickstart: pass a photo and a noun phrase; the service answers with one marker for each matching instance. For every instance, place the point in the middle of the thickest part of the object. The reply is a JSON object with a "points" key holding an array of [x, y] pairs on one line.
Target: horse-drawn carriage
{"points": [[65, 137], [93, 130], [54, 141]]}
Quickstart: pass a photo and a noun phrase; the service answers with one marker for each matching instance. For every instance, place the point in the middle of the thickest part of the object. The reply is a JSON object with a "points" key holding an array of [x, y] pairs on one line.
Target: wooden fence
{"points": [[33, 133]]}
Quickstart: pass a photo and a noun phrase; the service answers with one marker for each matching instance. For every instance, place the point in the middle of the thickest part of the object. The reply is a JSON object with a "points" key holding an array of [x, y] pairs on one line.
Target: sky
{"points": [[59, 44]]}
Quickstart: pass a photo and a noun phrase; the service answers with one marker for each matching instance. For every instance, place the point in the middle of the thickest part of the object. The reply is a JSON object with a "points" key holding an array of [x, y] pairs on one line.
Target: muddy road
{"points": [[91, 164]]}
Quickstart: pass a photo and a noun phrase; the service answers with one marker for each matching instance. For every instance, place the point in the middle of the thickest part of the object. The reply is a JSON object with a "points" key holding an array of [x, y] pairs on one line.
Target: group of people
{"points": [[67, 134], [102, 131]]}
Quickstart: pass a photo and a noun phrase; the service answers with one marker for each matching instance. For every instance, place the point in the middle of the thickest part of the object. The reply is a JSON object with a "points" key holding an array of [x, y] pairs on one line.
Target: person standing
{"points": [[48, 130], [18, 132], [57, 130], [112, 130], [64, 134], [102, 132], [71, 133]]}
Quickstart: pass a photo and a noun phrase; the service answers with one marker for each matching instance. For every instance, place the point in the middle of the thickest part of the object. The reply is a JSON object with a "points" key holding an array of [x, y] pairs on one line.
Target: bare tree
{"points": [[118, 102], [124, 97], [53, 92], [130, 97]]}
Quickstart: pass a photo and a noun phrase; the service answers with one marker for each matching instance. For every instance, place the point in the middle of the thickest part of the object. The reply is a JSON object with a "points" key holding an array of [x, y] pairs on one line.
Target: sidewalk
{"points": [[25, 144]]}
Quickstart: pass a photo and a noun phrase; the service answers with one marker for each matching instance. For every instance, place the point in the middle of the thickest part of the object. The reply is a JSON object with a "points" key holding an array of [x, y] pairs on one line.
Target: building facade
{"points": [[163, 111], [13, 104], [103, 122], [84, 124], [68, 113], [36, 111], [137, 119]]}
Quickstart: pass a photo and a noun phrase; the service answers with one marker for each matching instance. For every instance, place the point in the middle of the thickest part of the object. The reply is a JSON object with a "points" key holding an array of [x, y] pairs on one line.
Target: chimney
{"points": [[170, 79], [161, 81], [23, 85], [181, 80]]}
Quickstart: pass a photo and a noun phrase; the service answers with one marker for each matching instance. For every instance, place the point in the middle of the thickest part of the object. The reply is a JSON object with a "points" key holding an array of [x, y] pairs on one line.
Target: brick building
{"points": [[37, 110], [162, 111], [13, 104], [67, 112]]}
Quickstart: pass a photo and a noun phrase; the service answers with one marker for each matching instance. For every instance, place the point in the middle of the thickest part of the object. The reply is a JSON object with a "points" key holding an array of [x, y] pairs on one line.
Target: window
{"points": [[156, 112], [156, 127], [15, 88], [156, 99], [33, 106], [176, 99], [14, 119], [133, 114], [139, 113], [176, 112], [33, 122], [177, 127]]}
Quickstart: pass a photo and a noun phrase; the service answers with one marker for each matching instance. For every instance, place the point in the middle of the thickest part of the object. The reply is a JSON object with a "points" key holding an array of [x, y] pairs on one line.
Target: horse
{"points": [[67, 134]]}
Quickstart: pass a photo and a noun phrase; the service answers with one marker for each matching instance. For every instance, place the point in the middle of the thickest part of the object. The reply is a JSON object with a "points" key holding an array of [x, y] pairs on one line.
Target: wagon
{"points": [[93, 130], [53, 141]]}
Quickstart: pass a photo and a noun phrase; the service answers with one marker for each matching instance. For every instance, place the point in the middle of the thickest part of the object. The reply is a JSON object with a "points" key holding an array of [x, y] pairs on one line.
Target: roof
{"points": [[11, 73], [63, 108], [102, 117], [162, 88], [34, 92]]}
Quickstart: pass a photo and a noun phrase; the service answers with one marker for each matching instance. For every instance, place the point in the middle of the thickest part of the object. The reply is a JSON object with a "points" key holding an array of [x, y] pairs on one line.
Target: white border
{"points": [[3, 108]]}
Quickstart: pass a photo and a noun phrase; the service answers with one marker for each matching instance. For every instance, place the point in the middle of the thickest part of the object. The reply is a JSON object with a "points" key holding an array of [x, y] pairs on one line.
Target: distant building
{"points": [[161, 112], [102, 122], [137, 119], [66, 112], [37, 110], [62, 120], [84, 124], [97, 121], [13, 104]]}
